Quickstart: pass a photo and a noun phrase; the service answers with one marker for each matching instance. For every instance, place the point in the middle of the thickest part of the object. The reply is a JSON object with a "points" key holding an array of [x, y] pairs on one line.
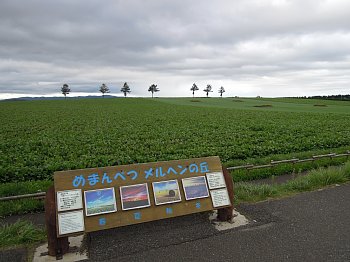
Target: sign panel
{"points": [[220, 198], [70, 222], [130, 194], [216, 180], [69, 200]]}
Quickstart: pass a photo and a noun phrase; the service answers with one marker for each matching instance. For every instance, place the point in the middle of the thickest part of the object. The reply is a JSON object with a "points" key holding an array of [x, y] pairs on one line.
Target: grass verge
{"points": [[21, 233], [318, 178], [20, 207], [287, 168], [21, 188]]}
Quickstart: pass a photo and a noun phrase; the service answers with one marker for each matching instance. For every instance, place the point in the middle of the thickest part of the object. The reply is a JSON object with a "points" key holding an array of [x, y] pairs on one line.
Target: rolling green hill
{"points": [[267, 104]]}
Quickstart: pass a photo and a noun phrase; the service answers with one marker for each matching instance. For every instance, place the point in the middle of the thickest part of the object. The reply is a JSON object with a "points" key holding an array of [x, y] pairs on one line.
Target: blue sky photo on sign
{"points": [[100, 201]]}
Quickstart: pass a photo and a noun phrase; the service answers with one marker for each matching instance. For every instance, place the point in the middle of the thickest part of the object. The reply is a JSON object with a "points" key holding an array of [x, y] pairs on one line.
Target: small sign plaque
{"points": [[216, 180], [70, 222], [220, 197], [69, 200]]}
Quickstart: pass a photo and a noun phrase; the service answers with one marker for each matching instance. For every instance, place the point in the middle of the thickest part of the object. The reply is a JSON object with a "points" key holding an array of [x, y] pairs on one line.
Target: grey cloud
{"points": [[85, 43]]}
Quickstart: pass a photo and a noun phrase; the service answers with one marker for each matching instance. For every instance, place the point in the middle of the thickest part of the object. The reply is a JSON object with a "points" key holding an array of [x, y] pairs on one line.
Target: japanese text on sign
{"points": [[158, 172]]}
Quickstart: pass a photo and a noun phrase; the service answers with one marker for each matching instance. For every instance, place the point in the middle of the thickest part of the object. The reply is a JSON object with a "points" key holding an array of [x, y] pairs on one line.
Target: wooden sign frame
{"points": [[149, 174]]}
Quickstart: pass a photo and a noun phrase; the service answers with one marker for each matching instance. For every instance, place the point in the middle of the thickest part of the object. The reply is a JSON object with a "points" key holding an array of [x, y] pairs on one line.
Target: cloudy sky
{"points": [[251, 47]]}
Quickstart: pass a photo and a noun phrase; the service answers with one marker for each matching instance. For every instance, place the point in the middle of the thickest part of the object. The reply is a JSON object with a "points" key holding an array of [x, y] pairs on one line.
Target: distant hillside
{"points": [[57, 98]]}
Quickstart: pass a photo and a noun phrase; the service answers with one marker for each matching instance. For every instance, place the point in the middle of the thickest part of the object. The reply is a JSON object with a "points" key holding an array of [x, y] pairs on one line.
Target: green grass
{"points": [[20, 233], [287, 168], [41, 137], [26, 187], [20, 207], [274, 104], [318, 178]]}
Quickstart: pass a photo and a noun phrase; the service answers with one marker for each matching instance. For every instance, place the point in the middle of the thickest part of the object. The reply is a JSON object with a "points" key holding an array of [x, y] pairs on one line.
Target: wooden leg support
{"points": [[56, 246], [225, 214]]}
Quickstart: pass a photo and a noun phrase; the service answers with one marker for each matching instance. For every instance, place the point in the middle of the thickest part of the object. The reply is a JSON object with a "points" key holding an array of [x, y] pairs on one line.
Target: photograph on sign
{"points": [[220, 197], [166, 192], [195, 187], [70, 222], [69, 200], [134, 196], [216, 180], [100, 201]]}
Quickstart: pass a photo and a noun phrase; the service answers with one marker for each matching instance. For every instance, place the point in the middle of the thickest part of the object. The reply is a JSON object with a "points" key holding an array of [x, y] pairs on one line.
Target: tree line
{"points": [[207, 90], [103, 89], [65, 89], [332, 97]]}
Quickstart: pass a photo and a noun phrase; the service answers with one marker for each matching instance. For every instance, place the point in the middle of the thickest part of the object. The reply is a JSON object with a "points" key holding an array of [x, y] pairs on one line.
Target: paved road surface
{"points": [[311, 226]]}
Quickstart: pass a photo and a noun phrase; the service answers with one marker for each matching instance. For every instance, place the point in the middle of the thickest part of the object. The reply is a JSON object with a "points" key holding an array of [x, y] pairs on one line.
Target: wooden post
{"points": [[56, 246], [225, 214]]}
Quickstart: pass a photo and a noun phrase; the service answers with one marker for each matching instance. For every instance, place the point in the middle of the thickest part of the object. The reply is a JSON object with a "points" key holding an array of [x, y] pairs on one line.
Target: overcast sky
{"points": [[250, 47]]}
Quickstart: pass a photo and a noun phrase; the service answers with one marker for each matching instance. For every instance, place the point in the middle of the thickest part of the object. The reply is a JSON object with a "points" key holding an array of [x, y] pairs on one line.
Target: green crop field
{"points": [[268, 104], [40, 137]]}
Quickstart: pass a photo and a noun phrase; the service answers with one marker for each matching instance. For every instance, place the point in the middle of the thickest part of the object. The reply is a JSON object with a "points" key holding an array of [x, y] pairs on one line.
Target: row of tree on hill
{"points": [[103, 89], [153, 89], [207, 90]]}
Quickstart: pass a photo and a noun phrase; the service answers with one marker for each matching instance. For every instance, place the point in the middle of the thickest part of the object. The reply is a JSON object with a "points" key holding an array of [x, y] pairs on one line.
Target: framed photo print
{"points": [[134, 196], [100, 201], [195, 187], [166, 192]]}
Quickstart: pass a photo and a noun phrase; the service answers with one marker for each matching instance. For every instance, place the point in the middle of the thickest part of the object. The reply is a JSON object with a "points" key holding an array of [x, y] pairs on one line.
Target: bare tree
{"points": [[221, 91], [65, 90], [208, 89], [125, 89], [194, 88], [153, 88]]}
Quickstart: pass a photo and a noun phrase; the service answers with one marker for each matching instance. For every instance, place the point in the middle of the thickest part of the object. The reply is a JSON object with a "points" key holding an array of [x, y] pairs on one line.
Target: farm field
{"points": [[267, 104], [40, 137]]}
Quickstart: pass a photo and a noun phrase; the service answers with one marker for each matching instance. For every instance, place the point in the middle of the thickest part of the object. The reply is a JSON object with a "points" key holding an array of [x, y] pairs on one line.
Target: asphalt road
{"points": [[313, 226]]}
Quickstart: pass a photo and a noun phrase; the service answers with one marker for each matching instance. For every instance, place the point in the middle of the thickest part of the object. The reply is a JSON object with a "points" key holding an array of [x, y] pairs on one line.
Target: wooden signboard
{"points": [[101, 198]]}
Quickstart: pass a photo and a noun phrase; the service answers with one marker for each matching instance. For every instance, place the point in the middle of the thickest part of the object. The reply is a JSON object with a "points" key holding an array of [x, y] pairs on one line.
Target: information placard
{"points": [[69, 200], [216, 180], [71, 222], [131, 194], [220, 197]]}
